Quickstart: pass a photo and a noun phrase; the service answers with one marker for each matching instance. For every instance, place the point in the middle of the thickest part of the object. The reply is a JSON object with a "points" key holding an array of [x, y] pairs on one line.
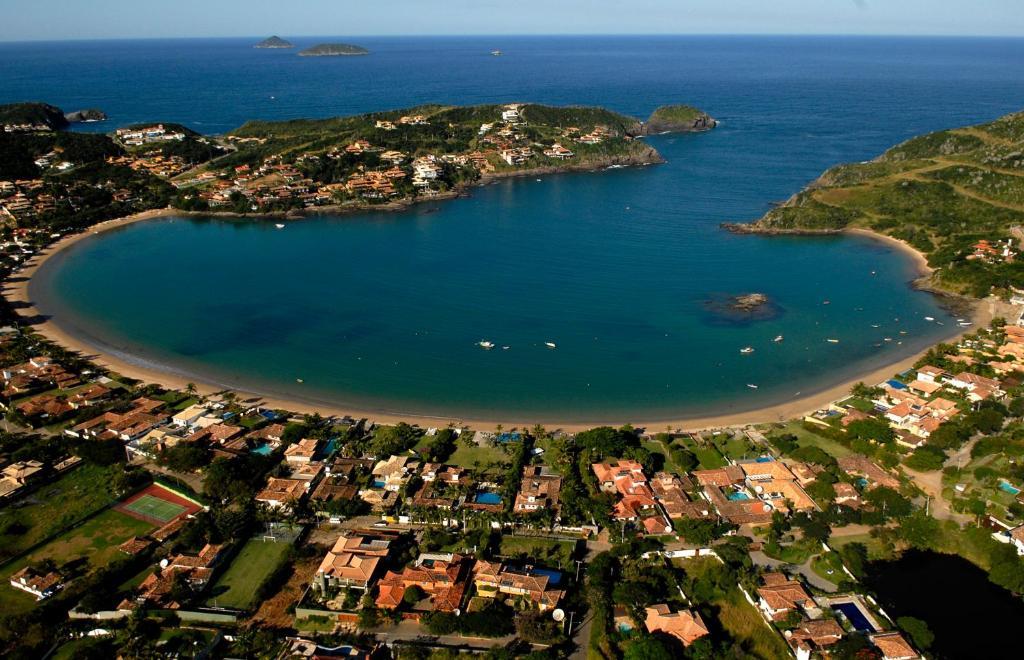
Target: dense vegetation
{"points": [[942, 193]]}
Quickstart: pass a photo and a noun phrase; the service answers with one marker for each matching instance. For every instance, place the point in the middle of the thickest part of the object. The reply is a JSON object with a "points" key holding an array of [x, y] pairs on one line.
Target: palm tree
{"points": [[190, 389]]}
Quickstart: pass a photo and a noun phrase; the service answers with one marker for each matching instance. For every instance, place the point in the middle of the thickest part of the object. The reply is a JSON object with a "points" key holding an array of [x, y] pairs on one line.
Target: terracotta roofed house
{"points": [[894, 647], [779, 596], [444, 578], [539, 489], [353, 562], [684, 625]]}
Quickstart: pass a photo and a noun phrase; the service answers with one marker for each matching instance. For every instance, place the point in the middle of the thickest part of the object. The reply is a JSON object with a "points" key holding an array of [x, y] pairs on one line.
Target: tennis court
{"points": [[149, 506], [158, 504]]}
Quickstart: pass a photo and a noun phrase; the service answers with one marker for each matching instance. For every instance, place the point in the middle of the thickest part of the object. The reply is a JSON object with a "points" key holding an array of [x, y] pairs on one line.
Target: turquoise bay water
{"points": [[382, 311]]}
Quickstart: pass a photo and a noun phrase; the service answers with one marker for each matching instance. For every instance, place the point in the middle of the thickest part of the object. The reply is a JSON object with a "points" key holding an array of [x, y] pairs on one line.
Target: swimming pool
{"points": [[855, 616], [377, 483], [263, 449], [1006, 487], [554, 577], [488, 498], [737, 496]]}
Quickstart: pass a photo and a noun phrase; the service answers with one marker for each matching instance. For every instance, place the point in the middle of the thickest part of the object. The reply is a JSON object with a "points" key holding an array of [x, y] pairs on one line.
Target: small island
{"points": [[333, 50], [679, 119], [749, 302], [274, 42]]}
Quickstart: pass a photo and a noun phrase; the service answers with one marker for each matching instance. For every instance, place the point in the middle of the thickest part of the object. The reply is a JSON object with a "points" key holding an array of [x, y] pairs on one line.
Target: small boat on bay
{"points": [[505, 348], [484, 344], [747, 350], [279, 226], [752, 386], [778, 339], [832, 341], [550, 344], [299, 380], [875, 325], [929, 318], [496, 53]]}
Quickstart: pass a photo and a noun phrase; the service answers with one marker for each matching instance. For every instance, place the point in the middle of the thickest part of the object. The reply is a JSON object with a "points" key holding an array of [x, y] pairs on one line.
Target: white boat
{"points": [[747, 350], [484, 344], [299, 380], [888, 339], [550, 344], [777, 339], [496, 53], [832, 341], [752, 386], [279, 226], [875, 325], [929, 318], [505, 348], [964, 324]]}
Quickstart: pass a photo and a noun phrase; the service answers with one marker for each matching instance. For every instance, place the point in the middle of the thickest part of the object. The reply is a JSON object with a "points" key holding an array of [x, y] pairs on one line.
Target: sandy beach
{"points": [[17, 292]]}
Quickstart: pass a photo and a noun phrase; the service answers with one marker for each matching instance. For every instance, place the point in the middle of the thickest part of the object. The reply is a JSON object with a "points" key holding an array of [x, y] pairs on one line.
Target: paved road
{"points": [[411, 631], [581, 637], [761, 559]]}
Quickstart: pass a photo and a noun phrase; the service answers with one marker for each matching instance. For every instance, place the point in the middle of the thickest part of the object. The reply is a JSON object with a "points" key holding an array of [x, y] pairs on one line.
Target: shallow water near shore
{"points": [[383, 311]]}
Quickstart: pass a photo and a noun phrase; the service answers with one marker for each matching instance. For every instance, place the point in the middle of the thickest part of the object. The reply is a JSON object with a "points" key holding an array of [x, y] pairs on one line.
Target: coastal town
{"points": [[139, 520], [256, 531]]}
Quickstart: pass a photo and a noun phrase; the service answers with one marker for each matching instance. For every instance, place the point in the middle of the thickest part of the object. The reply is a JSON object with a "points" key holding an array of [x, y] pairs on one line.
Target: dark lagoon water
{"points": [[383, 310], [970, 617]]}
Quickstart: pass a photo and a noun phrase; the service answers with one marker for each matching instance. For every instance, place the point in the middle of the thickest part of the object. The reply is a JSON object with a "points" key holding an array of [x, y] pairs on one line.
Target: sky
{"points": [[24, 20]]}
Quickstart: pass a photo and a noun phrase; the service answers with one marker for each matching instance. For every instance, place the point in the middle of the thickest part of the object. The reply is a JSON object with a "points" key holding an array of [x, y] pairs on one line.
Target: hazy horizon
{"points": [[64, 20]]}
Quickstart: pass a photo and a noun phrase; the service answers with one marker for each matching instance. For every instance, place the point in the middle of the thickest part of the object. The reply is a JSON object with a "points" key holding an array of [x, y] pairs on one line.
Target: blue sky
{"points": [[92, 19]]}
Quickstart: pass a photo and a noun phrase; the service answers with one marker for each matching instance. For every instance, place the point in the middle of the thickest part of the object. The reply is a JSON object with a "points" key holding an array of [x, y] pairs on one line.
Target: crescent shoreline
{"points": [[17, 292]]}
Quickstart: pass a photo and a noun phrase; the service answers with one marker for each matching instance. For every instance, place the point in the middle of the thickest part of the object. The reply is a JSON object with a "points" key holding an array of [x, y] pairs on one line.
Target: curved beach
{"points": [[136, 368]]}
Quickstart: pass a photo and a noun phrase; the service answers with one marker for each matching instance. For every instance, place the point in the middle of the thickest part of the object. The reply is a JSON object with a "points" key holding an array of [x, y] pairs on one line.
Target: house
{"points": [[1016, 537], [893, 646], [684, 625], [861, 466], [813, 637], [623, 477], [41, 585], [190, 415], [353, 562], [973, 382], [538, 489], [280, 492], [930, 374], [846, 494], [443, 577], [670, 491], [391, 474], [493, 578], [302, 451], [158, 588], [779, 596]]}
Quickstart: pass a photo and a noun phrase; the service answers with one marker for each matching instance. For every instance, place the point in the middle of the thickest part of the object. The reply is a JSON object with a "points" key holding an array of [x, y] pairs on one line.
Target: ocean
{"points": [[382, 311]]}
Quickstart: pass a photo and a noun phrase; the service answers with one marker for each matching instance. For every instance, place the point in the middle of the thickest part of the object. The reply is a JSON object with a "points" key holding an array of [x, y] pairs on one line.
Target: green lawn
{"points": [[808, 439], [466, 456], [872, 544], [657, 447], [707, 456], [738, 617], [237, 586], [548, 553], [829, 561], [735, 447], [53, 507], [93, 543]]}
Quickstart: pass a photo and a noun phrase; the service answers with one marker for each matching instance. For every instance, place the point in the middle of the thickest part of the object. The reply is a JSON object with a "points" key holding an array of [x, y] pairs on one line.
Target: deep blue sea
{"points": [[381, 311]]}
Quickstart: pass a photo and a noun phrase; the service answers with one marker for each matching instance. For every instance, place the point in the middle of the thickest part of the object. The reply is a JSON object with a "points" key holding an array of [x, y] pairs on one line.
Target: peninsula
{"points": [[333, 50], [956, 196], [384, 159], [274, 42]]}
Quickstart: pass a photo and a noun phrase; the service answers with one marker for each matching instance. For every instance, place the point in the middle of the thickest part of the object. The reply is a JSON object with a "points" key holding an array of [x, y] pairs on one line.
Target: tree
{"points": [[888, 501], [918, 631], [871, 429], [919, 530], [413, 595], [699, 531], [647, 647], [926, 459]]}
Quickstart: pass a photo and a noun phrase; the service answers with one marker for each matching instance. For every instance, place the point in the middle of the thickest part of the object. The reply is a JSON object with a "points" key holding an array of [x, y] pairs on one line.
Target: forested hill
{"points": [[956, 195]]}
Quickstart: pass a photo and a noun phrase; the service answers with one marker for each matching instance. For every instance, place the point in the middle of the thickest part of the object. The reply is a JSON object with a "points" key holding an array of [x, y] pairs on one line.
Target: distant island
{"points": [[956, 196], [331, 50], [274, 42]]}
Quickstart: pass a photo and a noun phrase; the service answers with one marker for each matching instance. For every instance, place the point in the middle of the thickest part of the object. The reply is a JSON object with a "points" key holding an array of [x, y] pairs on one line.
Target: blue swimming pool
{"points": [[1006, 487], [554, 577], [855, 616], [263, 449], [377, 483], [737, 496], [488, 498]]}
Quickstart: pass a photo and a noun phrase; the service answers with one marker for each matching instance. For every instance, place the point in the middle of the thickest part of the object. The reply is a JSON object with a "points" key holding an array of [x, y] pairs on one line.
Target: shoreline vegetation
{"points": [[616, 139]]}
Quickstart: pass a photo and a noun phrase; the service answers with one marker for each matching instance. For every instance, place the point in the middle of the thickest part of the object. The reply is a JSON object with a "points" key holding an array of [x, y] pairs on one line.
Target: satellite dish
{"points": [[558, 615], [163, 563], [457, 612]]}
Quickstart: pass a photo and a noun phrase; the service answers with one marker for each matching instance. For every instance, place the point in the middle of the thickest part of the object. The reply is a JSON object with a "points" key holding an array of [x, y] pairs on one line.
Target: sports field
{"points": [[157, 504], [149, 506]]}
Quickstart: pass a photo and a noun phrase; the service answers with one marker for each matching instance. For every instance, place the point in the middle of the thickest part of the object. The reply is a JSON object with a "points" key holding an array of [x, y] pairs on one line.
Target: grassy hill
{"points": [[942, 193]]}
